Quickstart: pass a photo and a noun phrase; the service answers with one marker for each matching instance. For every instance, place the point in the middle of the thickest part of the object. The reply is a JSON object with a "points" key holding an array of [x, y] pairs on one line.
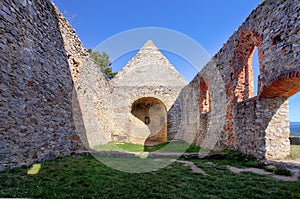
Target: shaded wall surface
{"points": [[35, 85], [91, 91]]}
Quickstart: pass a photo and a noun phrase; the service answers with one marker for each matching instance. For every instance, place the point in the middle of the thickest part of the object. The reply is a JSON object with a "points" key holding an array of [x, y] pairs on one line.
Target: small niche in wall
{"points": [[204, 97]]}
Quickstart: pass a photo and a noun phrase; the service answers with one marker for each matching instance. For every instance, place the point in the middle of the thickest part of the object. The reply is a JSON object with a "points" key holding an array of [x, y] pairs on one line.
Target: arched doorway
{"points": [[294, 107], [153, 113], [278, 91]]}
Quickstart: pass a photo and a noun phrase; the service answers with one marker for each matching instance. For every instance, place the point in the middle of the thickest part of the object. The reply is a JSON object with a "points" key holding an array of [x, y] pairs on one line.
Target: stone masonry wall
{"points": [[54, 98], [35, 85], [91, 90], [262, 126], [256, 125], [186, 118]]}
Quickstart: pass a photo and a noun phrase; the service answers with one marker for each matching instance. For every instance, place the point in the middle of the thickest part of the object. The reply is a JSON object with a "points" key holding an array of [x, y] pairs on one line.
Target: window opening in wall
{"points": [[204, 98], [246, 66], [255, 68]]}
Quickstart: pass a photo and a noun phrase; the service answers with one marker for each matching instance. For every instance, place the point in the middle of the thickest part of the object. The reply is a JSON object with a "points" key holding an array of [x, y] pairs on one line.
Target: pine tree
{"points": [[102, 60]]}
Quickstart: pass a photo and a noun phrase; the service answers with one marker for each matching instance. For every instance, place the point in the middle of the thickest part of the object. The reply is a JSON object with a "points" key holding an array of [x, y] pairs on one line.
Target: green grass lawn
{"points": [[174, 146], [295, 152], [86, 177]]}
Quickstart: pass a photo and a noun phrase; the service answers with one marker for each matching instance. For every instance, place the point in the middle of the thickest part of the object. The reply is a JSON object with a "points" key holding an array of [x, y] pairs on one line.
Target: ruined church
{"points": [[53, 102]]}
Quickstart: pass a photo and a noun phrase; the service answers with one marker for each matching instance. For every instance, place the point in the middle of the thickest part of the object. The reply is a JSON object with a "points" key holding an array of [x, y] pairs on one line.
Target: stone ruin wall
{"points": [[51, 104], [91, 92], [256, 125], [35, 85], [45, 93]]}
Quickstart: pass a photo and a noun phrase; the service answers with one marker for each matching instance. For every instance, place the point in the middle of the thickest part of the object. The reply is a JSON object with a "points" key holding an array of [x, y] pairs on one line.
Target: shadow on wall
{"points": [[79, 129], [36, 88], [183, 116]]}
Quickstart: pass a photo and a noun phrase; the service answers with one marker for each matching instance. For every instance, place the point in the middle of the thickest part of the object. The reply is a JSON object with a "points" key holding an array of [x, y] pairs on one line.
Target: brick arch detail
{"points": [[241, 85], [284, 85], [204, 96], [242, 64]]}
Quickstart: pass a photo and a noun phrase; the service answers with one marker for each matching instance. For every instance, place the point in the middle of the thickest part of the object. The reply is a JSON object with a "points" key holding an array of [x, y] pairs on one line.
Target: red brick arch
{"points": [[241, 86], [242, 64], [284, 85]]}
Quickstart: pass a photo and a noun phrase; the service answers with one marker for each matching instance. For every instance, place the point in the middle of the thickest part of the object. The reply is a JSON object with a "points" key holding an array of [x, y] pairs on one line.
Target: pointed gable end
{"points": [[149, 67]]}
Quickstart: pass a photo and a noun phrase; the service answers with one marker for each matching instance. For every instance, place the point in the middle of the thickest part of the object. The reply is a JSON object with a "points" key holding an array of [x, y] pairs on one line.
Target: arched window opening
{"points": [[246, 66], [253, 82]]}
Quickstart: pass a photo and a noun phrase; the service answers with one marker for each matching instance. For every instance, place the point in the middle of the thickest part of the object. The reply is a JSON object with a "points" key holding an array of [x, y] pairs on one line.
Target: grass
{"points": [[295, 152], [174, 146], [86, 177], [122, 147]]}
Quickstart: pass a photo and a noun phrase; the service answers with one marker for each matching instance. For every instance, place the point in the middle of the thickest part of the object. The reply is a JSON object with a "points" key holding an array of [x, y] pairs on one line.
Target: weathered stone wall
{"points": [[35, 85], [262, 126], [253, 125], [53, 97], [188, 122], [91, 89]]}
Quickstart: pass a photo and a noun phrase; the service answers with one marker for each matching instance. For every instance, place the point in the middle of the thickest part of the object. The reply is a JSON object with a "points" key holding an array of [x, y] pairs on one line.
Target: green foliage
{"points": [[102, 60], [281, 171], [155, 147], [239, 160]]}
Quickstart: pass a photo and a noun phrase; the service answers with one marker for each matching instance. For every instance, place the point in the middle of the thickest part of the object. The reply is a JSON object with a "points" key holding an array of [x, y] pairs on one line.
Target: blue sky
{"points": [[210, 23]]}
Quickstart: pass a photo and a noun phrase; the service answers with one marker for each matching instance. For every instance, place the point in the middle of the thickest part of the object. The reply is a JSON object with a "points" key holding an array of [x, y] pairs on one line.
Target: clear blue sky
{"points": [[210, 23]]}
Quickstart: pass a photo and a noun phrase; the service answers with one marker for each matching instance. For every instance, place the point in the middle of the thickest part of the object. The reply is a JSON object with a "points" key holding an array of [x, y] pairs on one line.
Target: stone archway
{"points": [[278, 91], [153, 113]]}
